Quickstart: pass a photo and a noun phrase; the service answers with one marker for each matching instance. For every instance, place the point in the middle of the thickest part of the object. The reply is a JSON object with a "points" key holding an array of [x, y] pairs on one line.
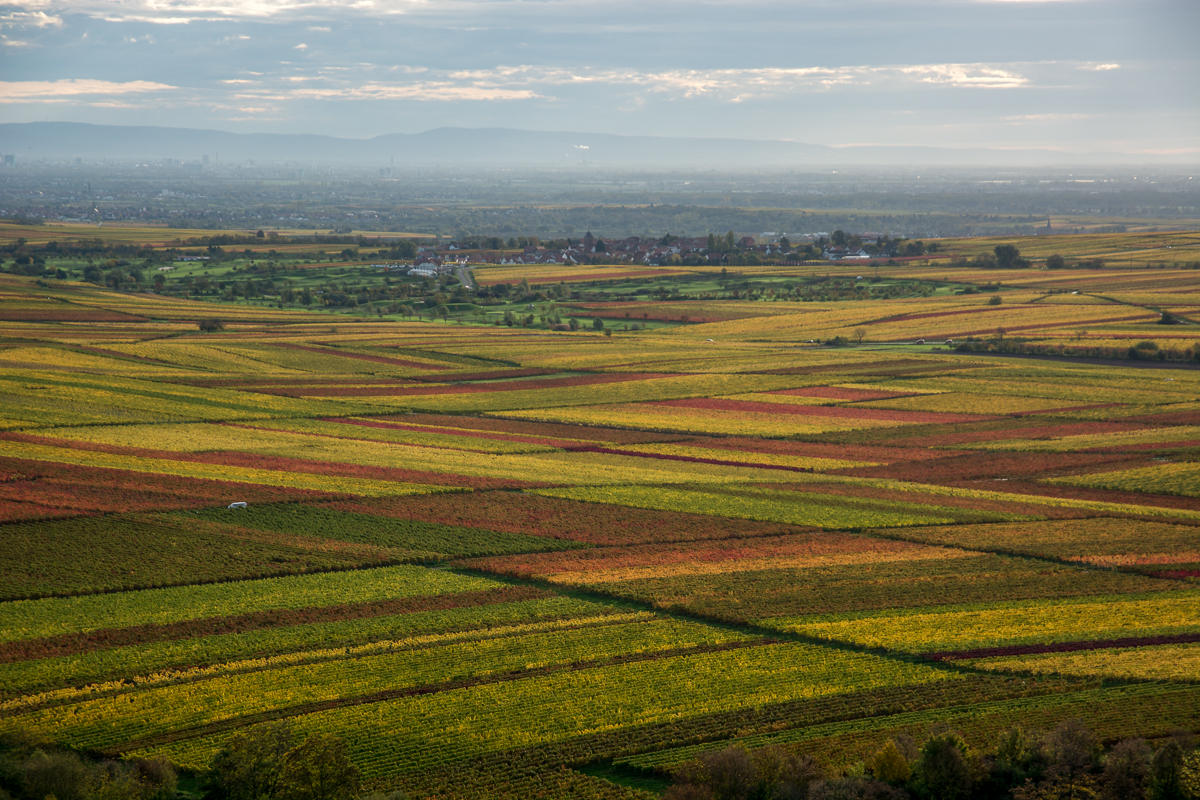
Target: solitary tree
{"points": [[860, 334], [1006, 255]]}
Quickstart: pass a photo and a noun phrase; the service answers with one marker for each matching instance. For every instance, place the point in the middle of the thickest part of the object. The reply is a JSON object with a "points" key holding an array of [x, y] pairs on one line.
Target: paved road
{"points": [[464, 277]]}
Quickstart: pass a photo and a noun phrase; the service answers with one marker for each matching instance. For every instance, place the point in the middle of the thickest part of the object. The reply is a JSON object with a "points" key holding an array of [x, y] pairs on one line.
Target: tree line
{"points": [[1067, 763]]}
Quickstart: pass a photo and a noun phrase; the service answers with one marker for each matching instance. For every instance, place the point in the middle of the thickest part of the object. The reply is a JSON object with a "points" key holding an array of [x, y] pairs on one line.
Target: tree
{"points": [[860, 334], [59, 775], [1020, 756], [319, 769], [598, 324], [160, 281], [1055, 262], [573, 324], [250, 765], [946, 769], [838, 238], [1073, 753], [890, 764], [1166, 772], [1189, 776], [264, 763], [211, 325], [1126, 770], [306, 296], [995, 300], [727, 774], [1006, 256], [442, 311]]}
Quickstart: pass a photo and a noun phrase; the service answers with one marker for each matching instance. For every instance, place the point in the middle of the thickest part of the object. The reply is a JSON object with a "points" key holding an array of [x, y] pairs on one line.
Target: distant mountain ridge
{"points": [[450, 147]]}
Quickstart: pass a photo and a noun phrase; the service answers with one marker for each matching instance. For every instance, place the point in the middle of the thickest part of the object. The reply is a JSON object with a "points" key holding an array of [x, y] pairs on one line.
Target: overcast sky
{"points": [[1074, 75]]}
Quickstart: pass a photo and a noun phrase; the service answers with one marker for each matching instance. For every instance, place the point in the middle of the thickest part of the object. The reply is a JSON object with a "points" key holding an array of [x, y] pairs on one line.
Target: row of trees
{"points": [[1067, 763], [30, 772], [1142, 351], [267, 762]]}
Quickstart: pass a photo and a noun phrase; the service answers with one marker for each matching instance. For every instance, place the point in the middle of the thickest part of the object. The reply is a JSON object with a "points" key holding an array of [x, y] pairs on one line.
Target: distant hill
{"points": [[450, 147]]}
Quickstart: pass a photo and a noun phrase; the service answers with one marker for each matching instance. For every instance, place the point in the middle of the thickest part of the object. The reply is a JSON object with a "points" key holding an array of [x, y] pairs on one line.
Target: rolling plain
{"points": [[511, 562]]}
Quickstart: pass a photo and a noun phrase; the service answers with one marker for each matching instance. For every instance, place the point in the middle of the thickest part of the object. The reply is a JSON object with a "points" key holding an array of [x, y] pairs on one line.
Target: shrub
{"points": [[211, 325]]}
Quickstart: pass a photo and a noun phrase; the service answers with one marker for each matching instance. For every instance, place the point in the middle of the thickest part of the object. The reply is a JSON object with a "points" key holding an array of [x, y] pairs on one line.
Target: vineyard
{"points": [[502, 561]]}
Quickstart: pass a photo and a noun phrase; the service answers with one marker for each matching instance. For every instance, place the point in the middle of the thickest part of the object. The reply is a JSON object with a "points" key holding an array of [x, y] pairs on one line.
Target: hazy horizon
{"points": [[1074, 76]]}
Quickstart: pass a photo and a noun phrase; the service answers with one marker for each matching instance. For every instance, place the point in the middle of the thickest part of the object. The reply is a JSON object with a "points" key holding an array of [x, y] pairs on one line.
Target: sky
{"points": [[1070, 75]]}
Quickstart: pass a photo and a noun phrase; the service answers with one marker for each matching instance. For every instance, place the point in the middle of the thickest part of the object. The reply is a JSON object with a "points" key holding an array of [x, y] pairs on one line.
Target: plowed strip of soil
{"points": [[1063, 647]]}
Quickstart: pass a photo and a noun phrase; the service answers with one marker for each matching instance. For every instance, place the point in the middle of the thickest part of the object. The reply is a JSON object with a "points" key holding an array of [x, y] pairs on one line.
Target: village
{"points": [[669, 250]]}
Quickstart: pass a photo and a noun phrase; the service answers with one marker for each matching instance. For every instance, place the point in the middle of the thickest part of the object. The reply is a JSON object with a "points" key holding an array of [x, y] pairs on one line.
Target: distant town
{"points": [[666, 251]]}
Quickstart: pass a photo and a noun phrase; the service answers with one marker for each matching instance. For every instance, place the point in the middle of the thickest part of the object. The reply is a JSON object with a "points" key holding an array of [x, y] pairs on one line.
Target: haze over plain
{"points": [[1076, 76]]}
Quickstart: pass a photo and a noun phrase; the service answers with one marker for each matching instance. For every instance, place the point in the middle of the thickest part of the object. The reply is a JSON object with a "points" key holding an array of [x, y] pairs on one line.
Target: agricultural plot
{"points": [[494, 561]]}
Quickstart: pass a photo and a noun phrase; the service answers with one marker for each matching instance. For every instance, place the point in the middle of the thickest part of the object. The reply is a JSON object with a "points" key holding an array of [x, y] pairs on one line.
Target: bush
{"points": [[211, 325]]}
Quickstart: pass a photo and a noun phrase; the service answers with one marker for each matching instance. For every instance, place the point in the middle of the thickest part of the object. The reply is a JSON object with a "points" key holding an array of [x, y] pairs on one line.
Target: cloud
{"points": [[1102, 67], [1046, 117], [738, 85], [29, 19], [187, 11], [62, 90], [968, 75], [529, 82], [434, 91]]}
